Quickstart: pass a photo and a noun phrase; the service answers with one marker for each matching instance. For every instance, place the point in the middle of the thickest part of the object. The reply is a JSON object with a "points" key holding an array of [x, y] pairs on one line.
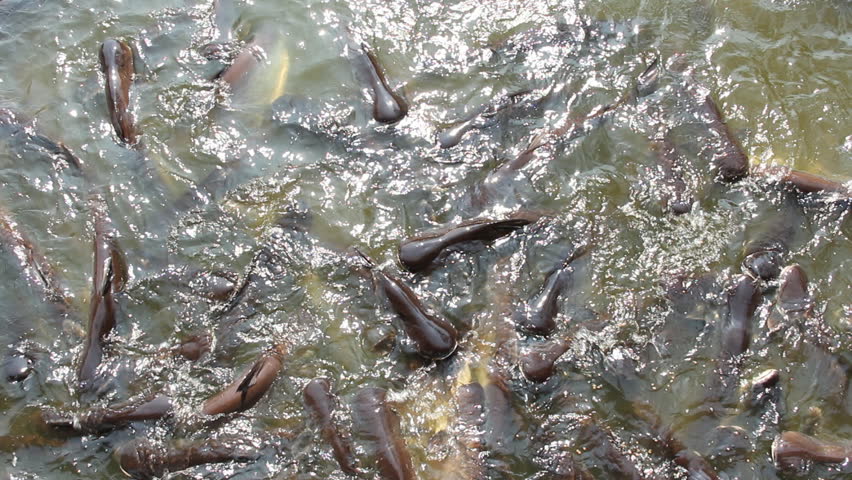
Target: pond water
{"points": [[238, 209]]}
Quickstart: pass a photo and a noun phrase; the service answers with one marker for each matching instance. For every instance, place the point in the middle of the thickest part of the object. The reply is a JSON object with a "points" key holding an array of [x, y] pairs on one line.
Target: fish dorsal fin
{"points": [[249, 380]]}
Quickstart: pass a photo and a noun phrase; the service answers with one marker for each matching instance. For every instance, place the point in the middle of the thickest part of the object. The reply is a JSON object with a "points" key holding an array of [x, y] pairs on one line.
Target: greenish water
{"points": [[299, 142]]}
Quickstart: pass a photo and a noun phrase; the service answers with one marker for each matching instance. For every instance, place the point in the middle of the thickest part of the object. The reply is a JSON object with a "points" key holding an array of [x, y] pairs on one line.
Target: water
{"points": [[293, 166]]}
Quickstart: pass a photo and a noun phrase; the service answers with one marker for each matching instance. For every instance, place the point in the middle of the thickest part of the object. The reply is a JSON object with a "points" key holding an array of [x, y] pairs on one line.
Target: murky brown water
{"points": [[269, 185]]}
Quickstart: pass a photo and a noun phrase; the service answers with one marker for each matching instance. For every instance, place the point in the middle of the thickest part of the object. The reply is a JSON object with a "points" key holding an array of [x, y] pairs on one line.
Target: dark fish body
{"points": [[16, 443], [158, 407], [249, 387], [320, 401], [792, 447], [109, 278], [648, 81], [539, 315], [117, 65], [434, 338], [451, 136], [215, 286], [675, 199], [502, 177], [760, 388], [13, 129], [731, 160], [470, 427], [736, 326], [34, 267], [471, 414], [247, 60], [793, 298], [419, 252], [566, 467], [696, 465], [380, 426], [537, 365], [482, 118], [102, 420], [193, 347], [388, 107], [769, 240], [7, 117], [16, 367], [571, 128], [143, 460], [805, 182], [595, 437], [793, 292], [501, 421]]}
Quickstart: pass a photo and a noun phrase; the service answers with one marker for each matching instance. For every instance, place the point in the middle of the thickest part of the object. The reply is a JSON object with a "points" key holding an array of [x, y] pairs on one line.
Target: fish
{"points": [[320, 402], [7, 117], [538, 315], [16, 366], [419, 252], [793, 299], [470, 399], [769, 239], [24, 135], [35, 269], [675, 197], [648, 81], [594, 437], [803, 182], [645, 84], [761, 388], [694, 463], [388, 107], [215, 286], [116, 59], [621, 374], [572, 127], [483, 117], [105, 419], [249, 387], [15, 443], [731, 161], [379, 425], [566, 467], [434, 338], [249, 58], [238, 291], [258, 75], [537, 364], [736, 326], [790, 448], [194, 347], [109, 278], [502, 423], [142, 459], [468, 462], [222, 20]]}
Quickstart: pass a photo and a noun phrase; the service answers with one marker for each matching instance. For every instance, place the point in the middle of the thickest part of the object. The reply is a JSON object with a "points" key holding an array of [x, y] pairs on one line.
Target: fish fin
{"points": [[118, 267], [360, 256], [108, 279], [249, 380], [70, 157]]}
